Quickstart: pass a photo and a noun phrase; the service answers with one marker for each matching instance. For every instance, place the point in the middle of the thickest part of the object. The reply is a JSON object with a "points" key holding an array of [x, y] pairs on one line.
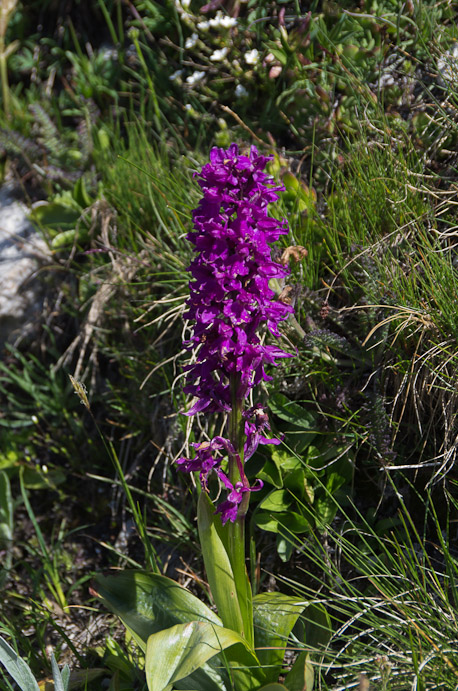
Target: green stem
{"points": [[236, 530], [4, 79]]}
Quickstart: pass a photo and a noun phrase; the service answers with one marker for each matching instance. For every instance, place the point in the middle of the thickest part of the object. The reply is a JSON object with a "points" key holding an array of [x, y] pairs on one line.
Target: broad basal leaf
{"points": [[301, 676], [17, 668], [148, 603], [175, 653], [274, 618]]}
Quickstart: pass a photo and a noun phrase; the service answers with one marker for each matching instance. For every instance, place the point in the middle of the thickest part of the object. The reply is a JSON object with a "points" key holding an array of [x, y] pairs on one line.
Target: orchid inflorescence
{"points": [[230, 299]]}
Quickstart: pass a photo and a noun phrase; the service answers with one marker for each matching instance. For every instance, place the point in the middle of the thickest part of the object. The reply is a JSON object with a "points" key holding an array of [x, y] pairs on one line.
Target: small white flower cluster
{"points": [[182, 7], [252, 57], [191, 41], [447, 66], [195, 77], [176, 76], [219, 21], [219, 55]]}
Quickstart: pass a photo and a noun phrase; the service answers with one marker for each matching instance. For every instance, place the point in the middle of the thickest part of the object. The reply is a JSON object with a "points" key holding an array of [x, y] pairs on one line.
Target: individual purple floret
{"points": [[228, 508], [230, 301], [256, 421]]}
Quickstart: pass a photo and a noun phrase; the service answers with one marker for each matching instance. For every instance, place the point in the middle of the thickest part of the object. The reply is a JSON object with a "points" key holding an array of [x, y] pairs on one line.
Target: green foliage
{"points": [[175, 653], [53, 157], [6, 524], [303, 477], [63, 680], [17, 668], [400, 599], [228, 581], [171, 624]]}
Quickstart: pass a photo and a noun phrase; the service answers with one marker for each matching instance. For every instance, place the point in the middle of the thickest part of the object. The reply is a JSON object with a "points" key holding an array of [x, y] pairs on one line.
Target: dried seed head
{"points": [[80, 391]]}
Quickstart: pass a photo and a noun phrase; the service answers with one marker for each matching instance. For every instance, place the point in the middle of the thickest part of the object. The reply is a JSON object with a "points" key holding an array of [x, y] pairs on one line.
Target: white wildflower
{"points": [[191, 41], [252, 57], [203, 26], [176, 75], [181, 8], [240, 91], [222, 21], [447, 65], [195, 77], [227, 22], [219, 55]]}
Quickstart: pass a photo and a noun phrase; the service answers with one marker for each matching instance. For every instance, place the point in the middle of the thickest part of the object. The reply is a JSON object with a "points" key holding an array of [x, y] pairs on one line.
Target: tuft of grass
{"points": [[392, 599]]}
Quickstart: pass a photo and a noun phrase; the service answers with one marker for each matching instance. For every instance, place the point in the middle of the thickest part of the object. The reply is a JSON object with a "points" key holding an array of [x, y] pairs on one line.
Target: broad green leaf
{"points": [[57, 216], [296, 483], [301, 675], [175, 653], [36, 479], [325, 508], [10, 459], [274, 618], [274, 687], [290, 522], [148, 602], [277, 500], [218, 566], [334, 481], [17, 668], [270, 473], [317, 626], [60, 679], [285, 460], [293, 412], [284, 548], [80, 194], [267, 521], [64, 239]]}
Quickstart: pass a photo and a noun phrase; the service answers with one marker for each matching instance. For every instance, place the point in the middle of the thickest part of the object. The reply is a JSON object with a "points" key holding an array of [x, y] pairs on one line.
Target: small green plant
{"points": [[20, 672], [302, 477]]}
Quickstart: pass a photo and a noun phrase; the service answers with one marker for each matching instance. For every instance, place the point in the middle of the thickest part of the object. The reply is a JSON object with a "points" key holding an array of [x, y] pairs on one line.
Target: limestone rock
{"points": [[22, 252]]}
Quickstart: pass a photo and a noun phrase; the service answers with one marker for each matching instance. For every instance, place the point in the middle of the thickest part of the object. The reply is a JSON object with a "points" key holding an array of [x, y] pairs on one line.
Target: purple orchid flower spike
{"points": [[230, 300]]}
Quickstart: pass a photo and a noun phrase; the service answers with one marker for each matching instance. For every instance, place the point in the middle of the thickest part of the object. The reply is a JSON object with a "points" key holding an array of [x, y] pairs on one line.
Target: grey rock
{"points": [[22, 253]]}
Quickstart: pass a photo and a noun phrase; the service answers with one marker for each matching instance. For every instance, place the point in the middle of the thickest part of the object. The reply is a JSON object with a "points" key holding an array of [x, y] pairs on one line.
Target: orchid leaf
{"points": [[218, 566], [274, 618], [317, 626], [274, 687], [17, 668], [148, 603], [177, 652], [301, 675]]}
